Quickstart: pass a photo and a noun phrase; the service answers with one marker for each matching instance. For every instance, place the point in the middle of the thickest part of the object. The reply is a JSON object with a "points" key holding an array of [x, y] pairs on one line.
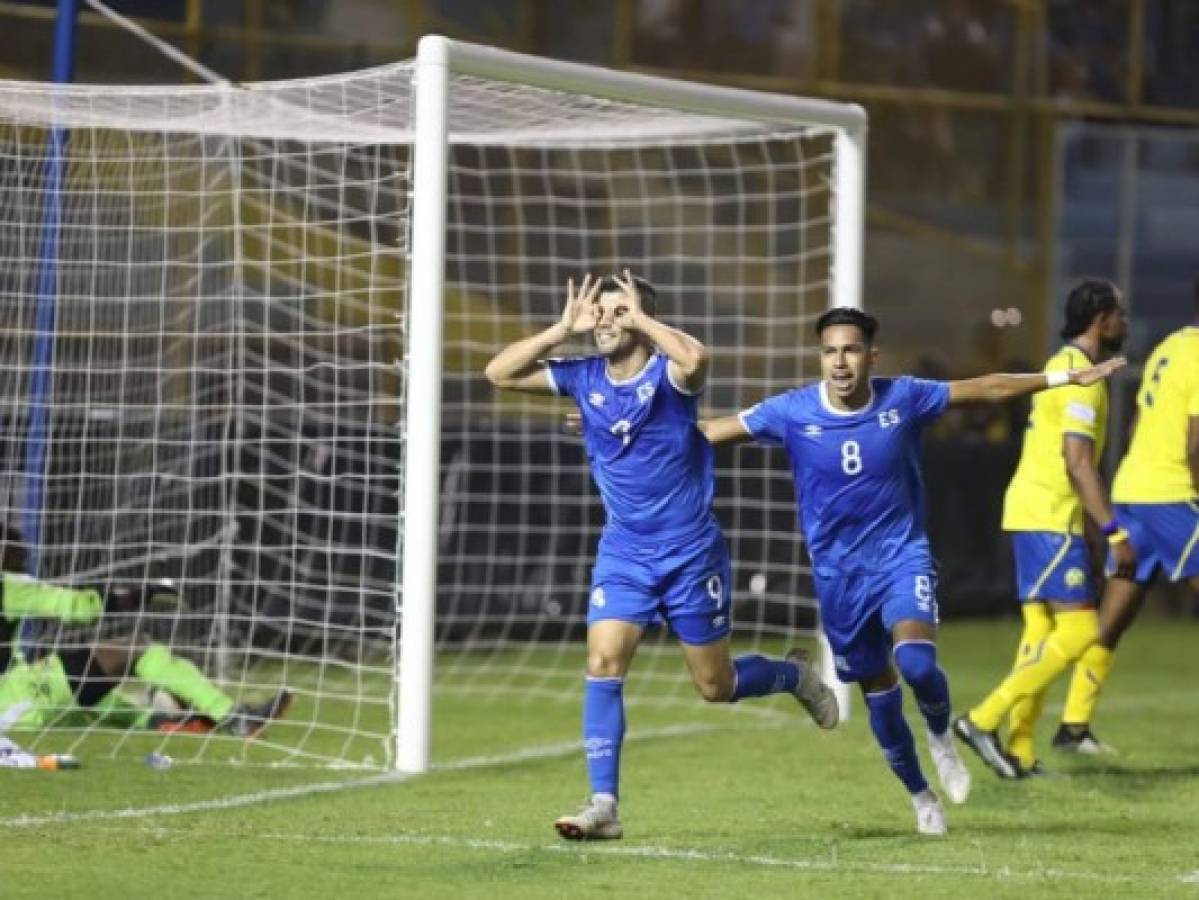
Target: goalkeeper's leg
{"points": [[111, 663]]}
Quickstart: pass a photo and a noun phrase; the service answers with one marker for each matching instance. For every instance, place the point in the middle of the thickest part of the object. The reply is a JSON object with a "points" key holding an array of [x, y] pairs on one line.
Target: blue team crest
{"points": [[596, 398], [645, 390]]}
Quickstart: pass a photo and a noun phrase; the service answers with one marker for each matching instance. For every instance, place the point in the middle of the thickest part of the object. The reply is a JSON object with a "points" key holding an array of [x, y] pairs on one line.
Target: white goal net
{"points": [[204, 314]]}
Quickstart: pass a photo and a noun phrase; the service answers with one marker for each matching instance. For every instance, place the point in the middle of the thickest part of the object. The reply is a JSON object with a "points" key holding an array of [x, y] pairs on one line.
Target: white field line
{"points": [[550, 751], [234, 801], [832, 863]]}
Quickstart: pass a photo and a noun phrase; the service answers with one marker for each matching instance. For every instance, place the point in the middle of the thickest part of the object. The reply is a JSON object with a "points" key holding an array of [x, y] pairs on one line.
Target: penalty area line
{"points": [[271, 795]]}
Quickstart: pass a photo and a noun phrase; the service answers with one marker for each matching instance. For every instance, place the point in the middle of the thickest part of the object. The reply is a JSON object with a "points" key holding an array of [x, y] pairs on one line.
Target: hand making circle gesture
{"points": [[581, 312], [628, 314]]}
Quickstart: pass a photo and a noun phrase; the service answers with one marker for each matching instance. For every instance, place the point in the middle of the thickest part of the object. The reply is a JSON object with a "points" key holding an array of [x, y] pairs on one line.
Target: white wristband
{"points": [[1056, 379]]}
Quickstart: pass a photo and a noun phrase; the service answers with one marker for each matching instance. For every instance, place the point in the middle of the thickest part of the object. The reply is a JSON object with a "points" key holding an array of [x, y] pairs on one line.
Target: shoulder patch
{"points": [[1081, 412]]}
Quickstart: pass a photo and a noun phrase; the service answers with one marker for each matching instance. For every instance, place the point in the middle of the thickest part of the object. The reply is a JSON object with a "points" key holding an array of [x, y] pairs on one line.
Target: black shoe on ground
{"points": [[250, 721], [986, 745], [1080, 739]]}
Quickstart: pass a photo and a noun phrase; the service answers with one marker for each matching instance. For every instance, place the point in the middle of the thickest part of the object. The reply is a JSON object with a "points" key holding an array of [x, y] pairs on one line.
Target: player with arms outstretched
{"points": [[853, 441], [1156, 498], [661, 552], [1056, 481]]}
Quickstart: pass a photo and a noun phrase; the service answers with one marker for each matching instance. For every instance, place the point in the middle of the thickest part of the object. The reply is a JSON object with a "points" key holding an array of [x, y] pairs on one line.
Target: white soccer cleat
{"points": [[597, 820], [812, 693], [951, 770], [930, 815]]}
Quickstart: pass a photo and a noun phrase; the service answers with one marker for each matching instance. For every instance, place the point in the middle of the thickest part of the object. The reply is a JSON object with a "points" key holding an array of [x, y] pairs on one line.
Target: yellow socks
{"points": [[1073, 633], [1090, 673], [1038, 623]]}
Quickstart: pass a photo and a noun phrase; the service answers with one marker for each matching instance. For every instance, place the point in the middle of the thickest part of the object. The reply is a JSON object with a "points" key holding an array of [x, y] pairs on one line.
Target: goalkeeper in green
{"points": [[63, 684]]}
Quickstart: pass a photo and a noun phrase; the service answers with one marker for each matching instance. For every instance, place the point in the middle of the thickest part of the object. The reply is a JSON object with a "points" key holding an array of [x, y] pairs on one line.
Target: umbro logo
{"points": [[597, 597], [813, 431], [596, 398], [645, 390]]}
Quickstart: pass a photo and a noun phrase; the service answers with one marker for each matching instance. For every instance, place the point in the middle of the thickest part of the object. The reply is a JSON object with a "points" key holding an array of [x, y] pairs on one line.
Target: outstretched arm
{"points": [[519, 367], [688, 357], [997, 388], [725, 430]]}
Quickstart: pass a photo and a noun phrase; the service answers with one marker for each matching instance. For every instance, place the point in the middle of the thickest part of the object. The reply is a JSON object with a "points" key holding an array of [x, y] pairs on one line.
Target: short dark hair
{"points": [[1090, 299], [848, 315], [649, 294]]}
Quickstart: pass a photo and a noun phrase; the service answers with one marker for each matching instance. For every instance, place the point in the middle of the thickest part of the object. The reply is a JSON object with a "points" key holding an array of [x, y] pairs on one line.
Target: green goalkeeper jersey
{"points": [[23, 597], [41, 687]]}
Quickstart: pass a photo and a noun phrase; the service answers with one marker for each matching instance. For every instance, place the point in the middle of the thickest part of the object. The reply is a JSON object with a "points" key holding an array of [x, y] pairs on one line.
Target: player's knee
{"points": [[601, 664], [1075, 632], [917, 661], [714, 687]]}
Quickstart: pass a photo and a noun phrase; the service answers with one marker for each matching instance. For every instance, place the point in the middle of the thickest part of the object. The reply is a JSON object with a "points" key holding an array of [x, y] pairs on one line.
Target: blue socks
{"points": [[917, 662], [757, 676], [893, 735], [603, 732]]}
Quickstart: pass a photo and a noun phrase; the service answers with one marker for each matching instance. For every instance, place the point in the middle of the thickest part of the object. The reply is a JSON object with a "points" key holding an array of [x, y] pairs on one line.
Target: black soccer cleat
{"points": [[1080, 739], [986, 745], [250, 721]]}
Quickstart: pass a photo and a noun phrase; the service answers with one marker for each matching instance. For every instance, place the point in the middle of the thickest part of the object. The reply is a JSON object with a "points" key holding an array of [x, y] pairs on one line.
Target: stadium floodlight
{"points": [[274, 303]]}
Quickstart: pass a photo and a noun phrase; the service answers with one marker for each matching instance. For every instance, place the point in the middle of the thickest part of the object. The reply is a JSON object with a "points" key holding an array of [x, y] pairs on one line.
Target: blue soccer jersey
{"points": [[857, 474], [653, 467], [861, 504]]}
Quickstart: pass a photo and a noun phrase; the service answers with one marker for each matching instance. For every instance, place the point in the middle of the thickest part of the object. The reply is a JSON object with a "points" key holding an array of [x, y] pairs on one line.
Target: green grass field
{"points": [[718, 802]]}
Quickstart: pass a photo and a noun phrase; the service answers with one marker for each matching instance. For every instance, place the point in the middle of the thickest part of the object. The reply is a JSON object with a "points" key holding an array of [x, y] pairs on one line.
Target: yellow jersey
{"points": [[1040, 496], [1155, 468]]}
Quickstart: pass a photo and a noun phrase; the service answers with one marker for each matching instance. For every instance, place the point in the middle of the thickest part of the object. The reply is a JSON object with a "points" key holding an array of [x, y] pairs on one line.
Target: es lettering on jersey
{"points": [[653, 467], [857, 475]]}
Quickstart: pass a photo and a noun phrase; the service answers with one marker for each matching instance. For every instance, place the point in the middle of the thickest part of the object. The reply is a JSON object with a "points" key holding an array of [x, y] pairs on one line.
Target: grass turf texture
{"points": [[717, 803]]}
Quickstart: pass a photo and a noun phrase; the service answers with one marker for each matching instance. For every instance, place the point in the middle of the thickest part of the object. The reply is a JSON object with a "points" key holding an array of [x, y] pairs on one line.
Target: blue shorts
{"points": [[687, 584], [861, 640], [1052, 565], [1162, 534]]}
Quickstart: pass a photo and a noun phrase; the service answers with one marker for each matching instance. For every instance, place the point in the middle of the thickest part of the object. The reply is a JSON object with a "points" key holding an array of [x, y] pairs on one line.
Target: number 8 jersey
{"points": [[857, 474]]}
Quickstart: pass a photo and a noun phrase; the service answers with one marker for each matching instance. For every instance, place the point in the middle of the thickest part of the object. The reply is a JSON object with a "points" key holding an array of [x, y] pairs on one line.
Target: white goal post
{"points": [[437, 60]]}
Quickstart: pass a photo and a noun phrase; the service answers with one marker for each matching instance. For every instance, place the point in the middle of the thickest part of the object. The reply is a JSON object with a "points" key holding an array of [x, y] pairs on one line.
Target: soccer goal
{"points": [[244, 332]]}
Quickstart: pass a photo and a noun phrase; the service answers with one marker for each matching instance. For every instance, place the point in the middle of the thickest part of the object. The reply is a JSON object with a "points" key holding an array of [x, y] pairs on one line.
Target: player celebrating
{"points": [[853, 441], [1156, 496], [661, 551], [1056, 480]]}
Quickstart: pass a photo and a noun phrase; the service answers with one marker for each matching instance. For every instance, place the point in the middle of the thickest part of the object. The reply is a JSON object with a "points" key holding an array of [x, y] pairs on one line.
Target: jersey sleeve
{"points": [[565, 375], [1080, 409], [768, 421], [928, 398]]}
